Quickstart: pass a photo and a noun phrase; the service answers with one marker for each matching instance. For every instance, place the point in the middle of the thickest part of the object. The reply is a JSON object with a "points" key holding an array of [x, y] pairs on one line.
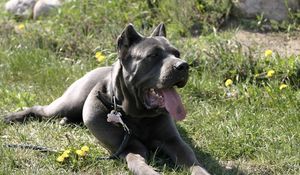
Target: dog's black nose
{"points": [[181, 66]]}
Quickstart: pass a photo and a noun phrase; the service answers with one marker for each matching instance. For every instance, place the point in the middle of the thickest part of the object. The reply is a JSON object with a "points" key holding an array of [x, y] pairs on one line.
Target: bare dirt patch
{"points": [[284, 44]]}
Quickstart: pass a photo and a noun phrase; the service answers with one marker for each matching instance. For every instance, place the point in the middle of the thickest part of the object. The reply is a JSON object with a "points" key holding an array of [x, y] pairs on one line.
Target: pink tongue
{"points": [[173, 104]]}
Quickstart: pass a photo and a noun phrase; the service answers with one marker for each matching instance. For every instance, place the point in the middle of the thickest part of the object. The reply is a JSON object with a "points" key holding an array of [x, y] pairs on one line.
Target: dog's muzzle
{"points": [[166, 96]]}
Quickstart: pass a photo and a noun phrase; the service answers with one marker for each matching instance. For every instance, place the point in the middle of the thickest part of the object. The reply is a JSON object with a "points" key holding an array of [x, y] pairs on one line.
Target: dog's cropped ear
{"points": [[160, 30], [128, 37]]}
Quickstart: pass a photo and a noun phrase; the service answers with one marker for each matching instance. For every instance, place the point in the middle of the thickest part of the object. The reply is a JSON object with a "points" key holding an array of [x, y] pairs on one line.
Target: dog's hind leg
{"points": [[56, 108], [21, 116]]}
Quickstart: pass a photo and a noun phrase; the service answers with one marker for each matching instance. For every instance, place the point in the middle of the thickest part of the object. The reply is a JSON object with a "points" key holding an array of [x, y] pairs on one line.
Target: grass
{"points": [[249, 127]]}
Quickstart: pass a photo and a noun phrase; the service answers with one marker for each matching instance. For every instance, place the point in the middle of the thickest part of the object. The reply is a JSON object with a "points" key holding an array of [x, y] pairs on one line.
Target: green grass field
{"points": [[249, 126]]}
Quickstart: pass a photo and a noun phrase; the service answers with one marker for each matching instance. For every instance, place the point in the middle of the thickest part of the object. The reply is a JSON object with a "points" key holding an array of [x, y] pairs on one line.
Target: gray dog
{"points": [[136, 92]]}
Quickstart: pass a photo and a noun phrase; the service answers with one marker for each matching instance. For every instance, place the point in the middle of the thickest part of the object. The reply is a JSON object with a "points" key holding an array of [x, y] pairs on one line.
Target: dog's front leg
{"points": [[198, 170], [135, 155], [137, 164], [182, 154]]}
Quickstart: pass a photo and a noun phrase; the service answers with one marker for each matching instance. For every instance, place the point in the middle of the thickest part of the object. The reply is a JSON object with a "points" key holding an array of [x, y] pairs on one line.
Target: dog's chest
{"points": [[141, 129]]}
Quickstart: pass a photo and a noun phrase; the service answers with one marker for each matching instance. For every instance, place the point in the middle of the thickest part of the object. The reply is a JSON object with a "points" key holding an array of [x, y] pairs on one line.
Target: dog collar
{"points": [[109, 105]]}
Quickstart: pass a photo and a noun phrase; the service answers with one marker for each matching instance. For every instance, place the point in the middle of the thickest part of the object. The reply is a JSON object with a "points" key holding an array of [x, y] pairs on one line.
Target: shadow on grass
{"points": [[208, 161]]}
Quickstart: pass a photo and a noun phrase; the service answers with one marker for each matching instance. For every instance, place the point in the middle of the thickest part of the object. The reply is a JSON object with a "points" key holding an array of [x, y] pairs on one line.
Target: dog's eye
{"points": [[153, 55], [155, 52]]}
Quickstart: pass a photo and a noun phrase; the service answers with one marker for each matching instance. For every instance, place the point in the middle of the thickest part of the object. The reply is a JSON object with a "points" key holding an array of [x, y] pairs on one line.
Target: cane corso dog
{"points": [[138, 91]]}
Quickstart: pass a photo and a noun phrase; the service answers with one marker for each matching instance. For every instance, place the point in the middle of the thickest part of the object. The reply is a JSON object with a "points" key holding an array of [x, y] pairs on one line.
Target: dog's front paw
{"points": [[198, 170]]}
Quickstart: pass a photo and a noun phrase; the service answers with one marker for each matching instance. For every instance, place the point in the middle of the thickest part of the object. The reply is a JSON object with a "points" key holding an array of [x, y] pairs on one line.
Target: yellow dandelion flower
{"points": [[65, 155], [268, 53], [85, 148], [283, 86], [100, 56], [21, 26], [68, 151], [270, 73], [60, 159], [228, 82], [80, 153]]}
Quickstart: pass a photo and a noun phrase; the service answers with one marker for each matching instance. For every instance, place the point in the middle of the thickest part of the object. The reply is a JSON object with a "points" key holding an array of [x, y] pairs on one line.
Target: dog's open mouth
{"points": [[166, 98]]}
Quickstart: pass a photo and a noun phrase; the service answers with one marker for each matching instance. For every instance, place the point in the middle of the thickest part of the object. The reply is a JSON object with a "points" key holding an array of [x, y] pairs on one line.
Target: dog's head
{"points": [[151, 68]]}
